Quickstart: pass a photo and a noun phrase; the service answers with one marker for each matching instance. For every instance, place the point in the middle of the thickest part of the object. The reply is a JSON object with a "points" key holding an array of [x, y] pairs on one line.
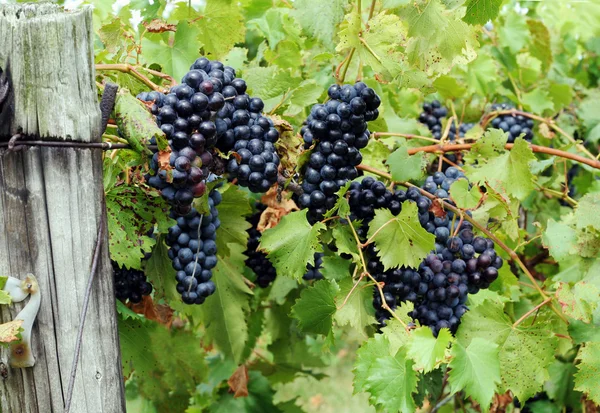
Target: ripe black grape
{"points": [[514, 125], [130, 284], [337, 130]]}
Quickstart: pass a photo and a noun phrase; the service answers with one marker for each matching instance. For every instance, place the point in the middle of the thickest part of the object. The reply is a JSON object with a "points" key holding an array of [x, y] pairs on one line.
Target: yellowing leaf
{"points": [[9, 332]]}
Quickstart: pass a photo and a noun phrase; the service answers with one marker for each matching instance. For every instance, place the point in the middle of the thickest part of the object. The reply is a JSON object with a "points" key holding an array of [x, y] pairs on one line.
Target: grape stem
{"points": [[534, 309], [130, 70], [535, 148], [377, 135], [513, 255], [364, 273]]}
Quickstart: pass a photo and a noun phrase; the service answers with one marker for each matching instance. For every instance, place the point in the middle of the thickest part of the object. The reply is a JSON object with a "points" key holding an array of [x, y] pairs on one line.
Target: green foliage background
{"points": [[304, 350]]}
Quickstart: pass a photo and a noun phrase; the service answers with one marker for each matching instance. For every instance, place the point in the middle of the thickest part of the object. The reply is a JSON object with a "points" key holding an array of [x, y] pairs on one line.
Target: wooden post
{"points": [[51, 201]]}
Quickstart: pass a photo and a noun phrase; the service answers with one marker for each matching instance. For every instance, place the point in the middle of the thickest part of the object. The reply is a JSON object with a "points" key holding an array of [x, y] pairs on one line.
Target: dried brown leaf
{"points": [[159, 26], [238, 382]]}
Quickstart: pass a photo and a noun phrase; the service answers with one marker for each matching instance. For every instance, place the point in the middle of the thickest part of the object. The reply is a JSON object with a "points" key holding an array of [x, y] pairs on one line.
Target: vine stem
{"points": [[551, 123], [129, 69], [513, 255], [404, 135], [561, 195], [534, 309], [366, 273], [509, 146]]}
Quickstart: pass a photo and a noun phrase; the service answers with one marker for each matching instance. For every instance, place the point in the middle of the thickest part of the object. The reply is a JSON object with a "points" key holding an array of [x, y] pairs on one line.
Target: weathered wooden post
{"points": [[51, 201]]}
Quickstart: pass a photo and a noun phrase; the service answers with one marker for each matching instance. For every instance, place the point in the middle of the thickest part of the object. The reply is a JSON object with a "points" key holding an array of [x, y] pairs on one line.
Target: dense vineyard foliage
{"points": [[401, 213]]}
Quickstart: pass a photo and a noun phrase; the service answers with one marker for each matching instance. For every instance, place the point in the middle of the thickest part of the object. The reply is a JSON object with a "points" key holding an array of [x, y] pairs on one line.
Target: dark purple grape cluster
{"points": [[257, 260], [194, 251], [338, 131], [243, 129], [514, 125], [130, 284], [459, 265], [432, 116], [185, 116]]}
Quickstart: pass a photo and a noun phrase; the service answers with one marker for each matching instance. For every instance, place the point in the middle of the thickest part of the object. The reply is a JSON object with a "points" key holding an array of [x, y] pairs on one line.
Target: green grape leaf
{"points": [[291, 245], [448, 87], [426, 350], [345, 241], [306, 94], [224, 312], [335, 267], [463, 196], [579, 301], [508, 172], [110, 34], [221, 27], [160, 272], [378, 45], [401, 240], [174, 53], [581, 332], [475, 369], [537, 101], [320, 18], [540, 46], [341, 207], [375, 154], [356, 309], [561, 94], [426, 20], [3, 280], [525, 351], [560, 387], [136, 354], [135, 122], [5, 298], [587, 210], [233, 210], [315, 308], [405, 167], [586, 378], [513, 34], [131, 214], [559, 238], [480, 11], [366, 356], [392, 381]]}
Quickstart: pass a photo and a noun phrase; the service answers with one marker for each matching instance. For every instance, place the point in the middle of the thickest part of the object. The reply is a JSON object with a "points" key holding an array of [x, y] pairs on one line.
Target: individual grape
{"points": [[130, 284]]}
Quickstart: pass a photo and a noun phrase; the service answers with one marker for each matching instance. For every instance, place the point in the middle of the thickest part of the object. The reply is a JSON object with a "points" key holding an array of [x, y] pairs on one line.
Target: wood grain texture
{"points": [[52, 69], [51, 200]]}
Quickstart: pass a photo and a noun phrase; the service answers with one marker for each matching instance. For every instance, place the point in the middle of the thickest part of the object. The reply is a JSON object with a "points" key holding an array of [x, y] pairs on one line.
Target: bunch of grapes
{"points": [[194, 251], [432, 116], [243, 129], [185, 116], [459, 264], [337, 130], [515, 125], [258, 262], [130, 284]]}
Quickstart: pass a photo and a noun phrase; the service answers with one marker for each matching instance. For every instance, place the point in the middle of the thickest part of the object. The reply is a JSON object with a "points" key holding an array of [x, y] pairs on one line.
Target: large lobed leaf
{"points": [[525, 351], [401, 240], [291, 245]]}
